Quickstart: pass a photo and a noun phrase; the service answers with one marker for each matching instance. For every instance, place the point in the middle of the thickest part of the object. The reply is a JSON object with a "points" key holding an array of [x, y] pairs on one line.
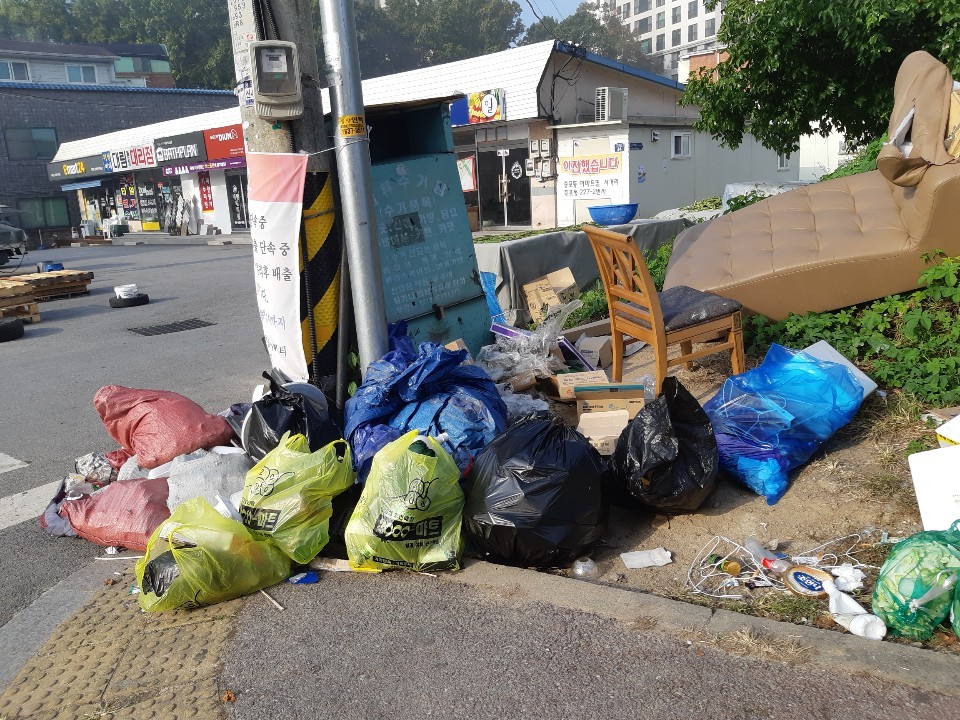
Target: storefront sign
{"points": [[591, 164], [486, 106], [276, 205], [127, 198], [206, 192], [147, 198], [225, 164], [237, 193], [179, 148], [133, 158], [224, 142], [84, 167]]}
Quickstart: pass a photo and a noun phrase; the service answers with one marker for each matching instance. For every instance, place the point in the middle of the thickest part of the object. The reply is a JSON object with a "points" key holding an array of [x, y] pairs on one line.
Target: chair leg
{"points": [[660, 362], [618, 349], [686, 347], [737, 361]]}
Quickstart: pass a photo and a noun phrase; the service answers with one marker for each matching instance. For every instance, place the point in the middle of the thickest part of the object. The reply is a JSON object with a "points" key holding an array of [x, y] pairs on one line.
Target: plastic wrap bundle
{"points": [[535, 496], [771, 419], [916, 586], [667, 456], [432, 392]]}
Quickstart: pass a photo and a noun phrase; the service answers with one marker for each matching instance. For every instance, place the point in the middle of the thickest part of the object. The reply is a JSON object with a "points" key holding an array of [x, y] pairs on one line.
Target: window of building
{"points": [[660, 43], [661, 20], [640, 6], [10, 70], [709, 27], [31, 143], [645, 47], [82, 74], [692, 8], [625, 10], [681, 145], [783, 161], [675, 38], [675, 15], [692, 33], [642, 26], [51, 212], [661, 3]]}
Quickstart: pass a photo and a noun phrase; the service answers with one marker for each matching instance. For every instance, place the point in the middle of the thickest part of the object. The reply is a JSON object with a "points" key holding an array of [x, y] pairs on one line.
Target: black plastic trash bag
{"points": [[297, 408], [667, 456], [536, 496]]}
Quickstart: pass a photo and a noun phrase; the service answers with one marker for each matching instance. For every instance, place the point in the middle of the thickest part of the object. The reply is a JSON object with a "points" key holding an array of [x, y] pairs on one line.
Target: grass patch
{"points": [[750, 642], [864, 161]]}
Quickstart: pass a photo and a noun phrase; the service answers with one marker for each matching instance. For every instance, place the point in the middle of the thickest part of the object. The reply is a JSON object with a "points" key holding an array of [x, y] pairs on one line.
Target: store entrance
{"points": [[504, 186]]}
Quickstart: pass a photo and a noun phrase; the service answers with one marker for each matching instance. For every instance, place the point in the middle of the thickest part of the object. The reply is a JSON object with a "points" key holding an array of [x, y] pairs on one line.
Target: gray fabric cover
{"points": [[518, 262], [684, 306], [206, 476]]}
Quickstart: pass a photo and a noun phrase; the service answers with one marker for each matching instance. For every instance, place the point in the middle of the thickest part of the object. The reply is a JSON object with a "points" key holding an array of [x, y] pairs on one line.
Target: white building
{"points": [[670, 29]]}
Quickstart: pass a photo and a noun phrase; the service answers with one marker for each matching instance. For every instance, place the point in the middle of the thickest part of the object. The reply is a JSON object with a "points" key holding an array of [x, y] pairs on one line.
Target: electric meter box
{"points": [[277, 90]]}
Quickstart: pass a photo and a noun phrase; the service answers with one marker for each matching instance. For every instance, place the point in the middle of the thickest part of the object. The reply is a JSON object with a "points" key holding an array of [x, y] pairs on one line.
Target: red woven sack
{"points": [[158, 425], [124, 513]]}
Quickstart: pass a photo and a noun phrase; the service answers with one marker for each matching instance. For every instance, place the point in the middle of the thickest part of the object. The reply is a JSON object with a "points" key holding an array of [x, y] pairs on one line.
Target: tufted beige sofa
{"points": [[831, 244]]}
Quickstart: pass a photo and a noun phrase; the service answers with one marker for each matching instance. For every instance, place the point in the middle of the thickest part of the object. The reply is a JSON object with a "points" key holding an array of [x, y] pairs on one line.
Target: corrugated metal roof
{"points": [[12, 85], [57, 49], [517, 70], [146, 134]]}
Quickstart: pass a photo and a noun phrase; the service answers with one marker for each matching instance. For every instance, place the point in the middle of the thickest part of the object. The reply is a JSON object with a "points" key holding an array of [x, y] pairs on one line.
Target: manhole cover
{"points": [[191, 324]]}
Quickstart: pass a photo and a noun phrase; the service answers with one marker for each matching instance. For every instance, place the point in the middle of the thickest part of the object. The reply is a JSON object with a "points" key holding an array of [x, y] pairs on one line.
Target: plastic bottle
{"points": [[766, 558], [585, 569]]}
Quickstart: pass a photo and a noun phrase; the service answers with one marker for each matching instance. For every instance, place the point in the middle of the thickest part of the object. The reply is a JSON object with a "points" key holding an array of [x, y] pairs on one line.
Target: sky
{"points": [[556, 8]]}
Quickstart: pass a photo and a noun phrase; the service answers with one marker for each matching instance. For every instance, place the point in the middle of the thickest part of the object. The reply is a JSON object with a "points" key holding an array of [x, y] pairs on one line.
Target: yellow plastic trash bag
{"points": [[198, 557], [409, 513], [287, 496]]}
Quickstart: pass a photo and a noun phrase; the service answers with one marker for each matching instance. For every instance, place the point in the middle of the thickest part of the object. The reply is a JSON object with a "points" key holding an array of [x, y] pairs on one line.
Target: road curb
{"points": [[828, 650]]}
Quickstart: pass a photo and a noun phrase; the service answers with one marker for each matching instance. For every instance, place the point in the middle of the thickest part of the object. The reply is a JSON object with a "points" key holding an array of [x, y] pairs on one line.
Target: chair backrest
{"points": [[631, 295]]}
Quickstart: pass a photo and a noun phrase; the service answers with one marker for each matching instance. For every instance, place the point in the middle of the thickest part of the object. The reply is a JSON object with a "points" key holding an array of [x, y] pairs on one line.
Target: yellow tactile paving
{"points": [[111, 661]]}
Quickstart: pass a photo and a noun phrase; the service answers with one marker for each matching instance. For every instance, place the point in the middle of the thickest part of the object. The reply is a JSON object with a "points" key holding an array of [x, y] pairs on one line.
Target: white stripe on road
{"points": [[8, 463], [26, 505]]}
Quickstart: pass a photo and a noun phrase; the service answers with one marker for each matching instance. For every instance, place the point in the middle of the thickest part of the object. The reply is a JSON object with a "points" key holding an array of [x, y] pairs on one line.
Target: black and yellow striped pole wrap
{"points": [[320, 255]]}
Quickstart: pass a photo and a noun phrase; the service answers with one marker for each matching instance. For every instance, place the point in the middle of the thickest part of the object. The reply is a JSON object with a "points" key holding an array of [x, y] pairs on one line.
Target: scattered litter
{"points": [[110, 581], [112, 550], [228, 697], [337, 565], [303, 578], [277, 605], [646, 558], [585, 569], [519, 405], [120, 557], [848, 578], [851, 615]]}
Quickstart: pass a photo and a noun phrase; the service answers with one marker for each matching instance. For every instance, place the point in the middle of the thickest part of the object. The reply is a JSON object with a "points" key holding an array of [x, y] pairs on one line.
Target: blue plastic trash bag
{"points": [[771, 419], [432, 392]]}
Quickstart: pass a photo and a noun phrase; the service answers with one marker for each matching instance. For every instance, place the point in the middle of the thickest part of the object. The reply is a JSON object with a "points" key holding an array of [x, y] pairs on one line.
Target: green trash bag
{"points": [[410, 510], [198, 557], [287, 496], [915, 588]]}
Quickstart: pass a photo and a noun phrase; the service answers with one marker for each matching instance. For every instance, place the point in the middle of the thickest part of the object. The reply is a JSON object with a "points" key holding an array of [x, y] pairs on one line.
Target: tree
{"points": [[796, 62], [447, 30], [600, 32]]}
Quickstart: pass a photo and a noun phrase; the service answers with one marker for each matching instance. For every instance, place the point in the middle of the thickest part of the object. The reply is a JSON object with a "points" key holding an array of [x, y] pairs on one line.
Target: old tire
{"points": [[138, 299], [10, 329]]}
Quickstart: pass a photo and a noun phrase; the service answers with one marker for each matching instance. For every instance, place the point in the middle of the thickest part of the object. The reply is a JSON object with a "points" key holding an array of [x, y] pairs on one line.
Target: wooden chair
{"points": [[678, 316]]}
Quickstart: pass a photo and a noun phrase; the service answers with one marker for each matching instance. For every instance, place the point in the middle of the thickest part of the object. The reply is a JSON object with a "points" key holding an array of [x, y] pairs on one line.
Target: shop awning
{"points": [[81, 185]]}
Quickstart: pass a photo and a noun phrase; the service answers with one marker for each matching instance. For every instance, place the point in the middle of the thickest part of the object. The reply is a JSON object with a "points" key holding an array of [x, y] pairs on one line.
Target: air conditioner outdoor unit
{"points": [[611, 104]]}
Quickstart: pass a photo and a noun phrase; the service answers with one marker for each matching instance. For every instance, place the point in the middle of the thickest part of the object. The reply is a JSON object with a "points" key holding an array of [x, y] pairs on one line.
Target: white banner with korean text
{"points": [[275, 203]]}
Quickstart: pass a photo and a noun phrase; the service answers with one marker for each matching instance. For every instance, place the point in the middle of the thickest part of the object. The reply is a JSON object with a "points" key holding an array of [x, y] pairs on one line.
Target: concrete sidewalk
{"points": [[110, 660]]}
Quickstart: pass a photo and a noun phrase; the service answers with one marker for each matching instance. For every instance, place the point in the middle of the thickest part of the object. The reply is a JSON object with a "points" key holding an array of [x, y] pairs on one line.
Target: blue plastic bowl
{"points": [[613, 214]]}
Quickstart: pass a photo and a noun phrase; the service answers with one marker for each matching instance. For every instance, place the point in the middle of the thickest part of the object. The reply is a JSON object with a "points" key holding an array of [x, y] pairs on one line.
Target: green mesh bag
{"points": [[915, 590]]}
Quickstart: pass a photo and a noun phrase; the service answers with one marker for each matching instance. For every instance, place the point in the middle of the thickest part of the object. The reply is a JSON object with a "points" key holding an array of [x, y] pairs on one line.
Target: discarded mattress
{"points": [[844, 241]]}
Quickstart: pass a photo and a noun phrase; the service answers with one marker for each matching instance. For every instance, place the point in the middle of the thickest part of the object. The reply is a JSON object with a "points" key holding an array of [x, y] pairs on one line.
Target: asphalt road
{"points": [[48, 377]]}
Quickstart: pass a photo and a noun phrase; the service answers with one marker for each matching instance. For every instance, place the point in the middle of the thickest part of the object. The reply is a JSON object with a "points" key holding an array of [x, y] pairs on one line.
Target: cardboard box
{"points": [[603, 429], [562, 385], [606, 398], [556, 288], [937, 486], [459, 344], [598, 351], [948, 434]]}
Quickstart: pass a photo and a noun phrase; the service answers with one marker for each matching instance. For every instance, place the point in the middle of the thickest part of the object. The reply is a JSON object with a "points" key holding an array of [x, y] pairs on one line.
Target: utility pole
{"points": [[356, 184]]}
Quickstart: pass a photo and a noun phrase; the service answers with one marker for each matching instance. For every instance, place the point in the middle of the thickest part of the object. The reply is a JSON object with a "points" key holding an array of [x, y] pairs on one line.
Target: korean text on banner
{"points": [[275, 204]]}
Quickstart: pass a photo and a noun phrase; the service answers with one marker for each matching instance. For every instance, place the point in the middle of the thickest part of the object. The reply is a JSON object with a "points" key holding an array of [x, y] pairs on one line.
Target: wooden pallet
{"points": [[12, 288], [57, 283], [28, 312]]}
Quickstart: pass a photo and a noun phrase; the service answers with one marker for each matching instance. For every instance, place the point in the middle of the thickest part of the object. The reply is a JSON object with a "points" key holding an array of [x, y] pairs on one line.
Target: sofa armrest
{"points": [[929, 210]]}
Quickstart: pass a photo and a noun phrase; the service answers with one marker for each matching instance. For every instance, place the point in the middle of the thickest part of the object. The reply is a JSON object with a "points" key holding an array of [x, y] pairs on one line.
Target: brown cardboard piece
{"points": [[459, 344], [562, 385], [606, 398], [603, 429], [556, 288]]}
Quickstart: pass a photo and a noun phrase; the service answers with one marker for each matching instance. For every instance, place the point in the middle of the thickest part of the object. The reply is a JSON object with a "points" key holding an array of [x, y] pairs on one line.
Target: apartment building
{"points": [[670, 30]]}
